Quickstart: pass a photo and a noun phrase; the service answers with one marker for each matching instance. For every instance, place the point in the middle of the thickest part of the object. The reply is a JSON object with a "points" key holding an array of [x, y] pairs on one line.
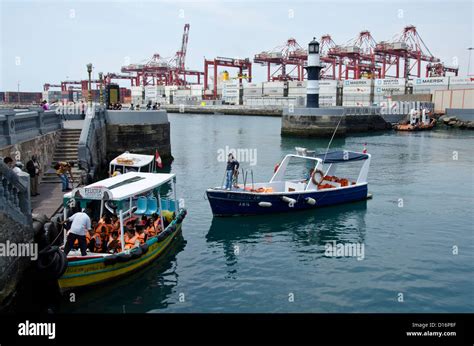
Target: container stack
{"points": [[356, 92], [274, 89], [297, 88], [386, 88], [456, 83], [230, 92], [137, 94], [197, 90], [429, 85], [328, 93]]}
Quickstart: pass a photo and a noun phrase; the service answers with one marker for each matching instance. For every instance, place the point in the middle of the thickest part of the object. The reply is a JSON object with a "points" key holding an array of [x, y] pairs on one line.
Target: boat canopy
{"points": [[121, 187], [342, 156], [132, 160]]}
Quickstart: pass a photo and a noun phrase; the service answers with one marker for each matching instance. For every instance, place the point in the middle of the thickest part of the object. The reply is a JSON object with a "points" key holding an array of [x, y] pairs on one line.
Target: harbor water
{"points": [[416, 231]]}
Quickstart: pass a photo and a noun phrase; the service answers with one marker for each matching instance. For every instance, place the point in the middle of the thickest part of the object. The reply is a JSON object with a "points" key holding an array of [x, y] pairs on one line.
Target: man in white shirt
{"points": [[81, 223], [11, 164]]}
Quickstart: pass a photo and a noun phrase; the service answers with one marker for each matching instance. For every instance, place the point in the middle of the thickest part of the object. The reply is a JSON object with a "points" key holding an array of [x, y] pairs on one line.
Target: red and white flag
{"points": [[365, 148], [159, 163]]}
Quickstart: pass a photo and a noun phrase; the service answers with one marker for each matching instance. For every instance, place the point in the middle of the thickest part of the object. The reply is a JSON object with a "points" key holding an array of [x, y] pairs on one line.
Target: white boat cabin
{"points": [[128, 162]]}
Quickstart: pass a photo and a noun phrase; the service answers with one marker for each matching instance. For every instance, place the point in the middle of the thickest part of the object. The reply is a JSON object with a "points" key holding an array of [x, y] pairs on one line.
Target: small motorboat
{"points": [[418, 121], [317, 188], [119, 191], [129, 162]]}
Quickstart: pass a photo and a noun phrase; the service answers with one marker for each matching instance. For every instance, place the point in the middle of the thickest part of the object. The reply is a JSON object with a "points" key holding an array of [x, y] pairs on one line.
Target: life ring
{"points": [[276, 168], [313, 179]]}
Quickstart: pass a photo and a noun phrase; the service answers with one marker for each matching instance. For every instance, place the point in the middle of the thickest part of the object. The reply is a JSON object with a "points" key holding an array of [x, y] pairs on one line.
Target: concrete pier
{"points": [[322, 122], [139, 132]]}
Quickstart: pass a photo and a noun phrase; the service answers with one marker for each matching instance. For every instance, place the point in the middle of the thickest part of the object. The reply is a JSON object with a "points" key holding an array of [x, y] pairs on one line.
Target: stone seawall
{"points": [[42, 146], [140, 132], [323, 122]]}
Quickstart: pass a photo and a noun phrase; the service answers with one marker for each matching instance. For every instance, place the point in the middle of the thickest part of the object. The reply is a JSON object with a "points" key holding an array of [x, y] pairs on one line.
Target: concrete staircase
{"points": [[66, 150]]}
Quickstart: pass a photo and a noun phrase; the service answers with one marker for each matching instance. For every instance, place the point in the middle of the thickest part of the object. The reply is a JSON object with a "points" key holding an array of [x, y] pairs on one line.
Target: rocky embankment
{"points": [[453, 121]]}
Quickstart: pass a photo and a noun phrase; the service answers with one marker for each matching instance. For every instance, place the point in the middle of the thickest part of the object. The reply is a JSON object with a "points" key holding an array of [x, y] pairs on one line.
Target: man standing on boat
{"points": [[232, 168], [81, 223]]}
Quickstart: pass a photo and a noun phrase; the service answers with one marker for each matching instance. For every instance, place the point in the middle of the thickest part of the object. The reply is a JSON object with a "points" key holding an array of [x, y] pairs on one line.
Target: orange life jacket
{"points": [[129, 241], [140, 237], [88, 239]]}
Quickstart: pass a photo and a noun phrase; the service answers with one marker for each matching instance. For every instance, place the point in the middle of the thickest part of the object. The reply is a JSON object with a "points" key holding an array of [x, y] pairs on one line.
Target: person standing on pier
{"points": [[232, 168], [33, 169], [62, 168], [81, 223]]}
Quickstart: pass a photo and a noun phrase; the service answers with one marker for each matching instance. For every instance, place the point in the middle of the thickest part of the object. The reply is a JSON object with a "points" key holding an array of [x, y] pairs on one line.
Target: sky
{"points": [[49, 41]]}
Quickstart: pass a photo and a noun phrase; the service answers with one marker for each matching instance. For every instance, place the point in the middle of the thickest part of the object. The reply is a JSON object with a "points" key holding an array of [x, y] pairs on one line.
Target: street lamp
{"points": [[101, 94], [89, 94], [470, 49]]}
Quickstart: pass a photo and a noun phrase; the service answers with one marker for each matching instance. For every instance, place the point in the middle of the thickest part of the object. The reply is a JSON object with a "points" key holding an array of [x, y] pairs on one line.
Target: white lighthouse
{"points": [[313, 69]]}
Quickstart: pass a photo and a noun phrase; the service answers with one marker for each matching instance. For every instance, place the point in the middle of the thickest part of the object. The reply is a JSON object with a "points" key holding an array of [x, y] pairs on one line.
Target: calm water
{"points": [[408, 249]]}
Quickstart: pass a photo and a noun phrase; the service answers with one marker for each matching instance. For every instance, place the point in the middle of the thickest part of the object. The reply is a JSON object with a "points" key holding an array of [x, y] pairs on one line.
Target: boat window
{"points": [[298, 169]]}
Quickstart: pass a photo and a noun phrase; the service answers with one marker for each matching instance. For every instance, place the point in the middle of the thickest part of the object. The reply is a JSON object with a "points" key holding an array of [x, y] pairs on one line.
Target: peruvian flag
{"points": [[365, 148], [159, 163]]}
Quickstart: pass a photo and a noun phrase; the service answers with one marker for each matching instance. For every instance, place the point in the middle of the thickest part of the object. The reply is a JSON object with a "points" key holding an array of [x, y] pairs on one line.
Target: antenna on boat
{"points": [[333, 134]]}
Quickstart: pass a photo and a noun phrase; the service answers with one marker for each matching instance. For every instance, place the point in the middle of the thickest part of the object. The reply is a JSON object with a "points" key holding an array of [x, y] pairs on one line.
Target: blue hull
{"points": [[231, 203]]}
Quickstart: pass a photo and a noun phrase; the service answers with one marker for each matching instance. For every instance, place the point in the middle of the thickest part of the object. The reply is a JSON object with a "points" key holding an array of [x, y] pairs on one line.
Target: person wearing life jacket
{"points": [[140, 234], [156, 222], [115, 222], [100, 239], [130, 239], [150, 229], [114, 245]]}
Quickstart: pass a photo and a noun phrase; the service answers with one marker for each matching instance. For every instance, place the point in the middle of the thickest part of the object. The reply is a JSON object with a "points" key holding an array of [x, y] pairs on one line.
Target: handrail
{"points": [[14, 195]]}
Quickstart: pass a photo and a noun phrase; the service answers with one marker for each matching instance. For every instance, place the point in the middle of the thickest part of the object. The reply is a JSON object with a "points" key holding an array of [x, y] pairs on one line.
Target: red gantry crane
{"points": [[165, 71], [244, 66], [288, 59]]}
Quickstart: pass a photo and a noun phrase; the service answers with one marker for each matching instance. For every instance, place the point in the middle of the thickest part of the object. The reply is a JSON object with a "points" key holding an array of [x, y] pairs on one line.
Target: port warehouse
{"points": [[445, 92]]}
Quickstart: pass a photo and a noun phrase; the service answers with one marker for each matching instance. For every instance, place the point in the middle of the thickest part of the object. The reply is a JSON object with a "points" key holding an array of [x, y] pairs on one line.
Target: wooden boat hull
{"points": [[232, 203], [97, 271]]}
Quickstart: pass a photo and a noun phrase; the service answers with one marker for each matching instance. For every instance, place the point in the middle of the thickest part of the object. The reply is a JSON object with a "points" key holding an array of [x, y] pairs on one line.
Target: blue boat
{"points": [[313, 185]]}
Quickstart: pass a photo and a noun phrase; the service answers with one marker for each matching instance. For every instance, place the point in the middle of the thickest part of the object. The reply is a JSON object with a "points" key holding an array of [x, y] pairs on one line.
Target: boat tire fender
{"points": [[109, 260], [136, 253], [144, 248], [310, 201], [265, 204], [124, 257]]}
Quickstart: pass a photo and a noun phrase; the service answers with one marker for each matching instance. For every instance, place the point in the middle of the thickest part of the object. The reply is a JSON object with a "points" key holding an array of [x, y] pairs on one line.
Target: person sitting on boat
{"points": [[114, 245], [81, 223], [130, 239], [150, 229], [100, 239], [140, 234], [115, 222], [156, 222], [232, 168]]}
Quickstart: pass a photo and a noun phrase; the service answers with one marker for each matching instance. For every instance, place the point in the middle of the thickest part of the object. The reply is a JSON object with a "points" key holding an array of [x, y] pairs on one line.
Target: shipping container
{"points": [[357, 82]]}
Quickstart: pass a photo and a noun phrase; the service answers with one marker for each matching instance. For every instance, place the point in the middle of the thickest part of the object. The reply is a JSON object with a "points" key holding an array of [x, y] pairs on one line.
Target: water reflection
{"points": [[139, 292], [305, 231]]}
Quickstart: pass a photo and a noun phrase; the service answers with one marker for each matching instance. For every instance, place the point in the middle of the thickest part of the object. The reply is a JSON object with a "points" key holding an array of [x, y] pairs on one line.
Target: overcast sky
{"points": [[49, 41]]}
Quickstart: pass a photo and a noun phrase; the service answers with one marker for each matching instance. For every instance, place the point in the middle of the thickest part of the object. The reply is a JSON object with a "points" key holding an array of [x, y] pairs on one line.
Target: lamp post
{"points": [[89, 91], [101, 94], [470, 49]]}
